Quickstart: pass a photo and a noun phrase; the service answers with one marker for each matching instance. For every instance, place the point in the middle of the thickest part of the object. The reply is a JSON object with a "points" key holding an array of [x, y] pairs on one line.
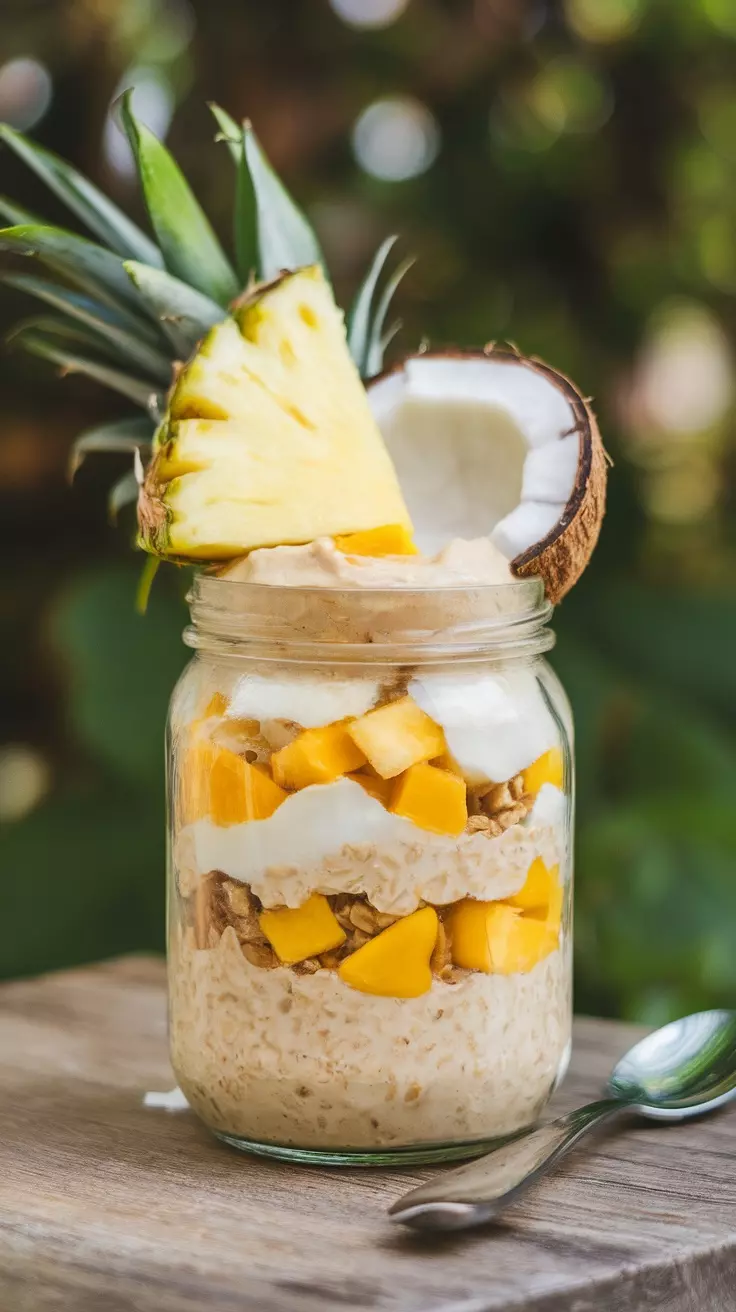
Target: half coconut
{"points": [[492, 443]]}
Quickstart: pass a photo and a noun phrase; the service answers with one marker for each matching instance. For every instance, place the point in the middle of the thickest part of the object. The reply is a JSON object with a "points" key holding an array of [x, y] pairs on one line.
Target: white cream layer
{"points": [[335, 838]]}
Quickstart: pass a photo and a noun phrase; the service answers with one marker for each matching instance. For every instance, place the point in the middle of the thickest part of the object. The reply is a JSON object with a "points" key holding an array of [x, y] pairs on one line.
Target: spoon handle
{"points": [[476, 1192]]}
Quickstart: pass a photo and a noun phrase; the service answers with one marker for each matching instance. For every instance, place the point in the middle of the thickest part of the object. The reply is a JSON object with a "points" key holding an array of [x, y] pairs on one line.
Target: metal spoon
{"points": [[685, 1069]]}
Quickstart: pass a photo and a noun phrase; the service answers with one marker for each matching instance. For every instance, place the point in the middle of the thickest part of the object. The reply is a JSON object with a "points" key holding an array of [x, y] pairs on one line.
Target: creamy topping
{"points": [[308, 700], [319, 564]]}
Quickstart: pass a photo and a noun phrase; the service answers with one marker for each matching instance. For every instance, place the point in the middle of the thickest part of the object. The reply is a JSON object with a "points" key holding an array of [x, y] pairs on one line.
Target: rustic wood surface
{"points": [[107, 1205]]}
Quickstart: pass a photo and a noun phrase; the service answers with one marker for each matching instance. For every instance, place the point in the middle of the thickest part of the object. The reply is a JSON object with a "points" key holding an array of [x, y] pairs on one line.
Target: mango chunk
{"points": [[217, 705], [395, 964], [538, 889], [397, 736], [296, 933], [434, 799], [224, 787], [496, 938], [374, 786], [389, 540], [317, 756], [547, 769]]}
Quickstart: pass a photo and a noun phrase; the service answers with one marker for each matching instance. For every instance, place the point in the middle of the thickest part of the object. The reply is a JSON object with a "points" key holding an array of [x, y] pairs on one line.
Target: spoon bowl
{"points": [[685, 1069]]}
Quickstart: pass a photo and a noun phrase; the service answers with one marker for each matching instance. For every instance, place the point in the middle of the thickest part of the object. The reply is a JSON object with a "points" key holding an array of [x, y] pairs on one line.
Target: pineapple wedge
{"points": [[269, 438]]}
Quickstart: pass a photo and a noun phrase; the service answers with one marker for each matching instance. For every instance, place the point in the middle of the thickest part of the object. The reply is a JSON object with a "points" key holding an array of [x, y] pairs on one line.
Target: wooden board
{"points": [[107, 1205]]}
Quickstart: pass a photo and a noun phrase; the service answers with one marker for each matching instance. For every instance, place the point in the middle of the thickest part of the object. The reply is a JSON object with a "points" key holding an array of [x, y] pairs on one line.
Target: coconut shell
{"points": [[560, 557]]}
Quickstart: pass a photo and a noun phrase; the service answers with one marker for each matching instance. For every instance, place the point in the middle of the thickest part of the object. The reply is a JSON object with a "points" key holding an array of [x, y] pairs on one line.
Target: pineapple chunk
{"points": [[391, 540], [395, 964], [496, 938], [547, 769], [434, 799], [538, 890], [396, 736], [224, 787], [374, 786], [300, 932], [269, 438], [317, 756]]}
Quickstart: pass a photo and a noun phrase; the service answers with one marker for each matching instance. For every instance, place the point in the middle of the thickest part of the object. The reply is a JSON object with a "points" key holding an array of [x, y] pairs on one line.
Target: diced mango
{"points": [[434, 799], [390, 540], [547, 769], [317, 756], [396, 736], [217, 705], [395, 964], [538, 888], [296, 933], [224, 787], [496, 938], [447, 762], [374, 785], [552, 913]]}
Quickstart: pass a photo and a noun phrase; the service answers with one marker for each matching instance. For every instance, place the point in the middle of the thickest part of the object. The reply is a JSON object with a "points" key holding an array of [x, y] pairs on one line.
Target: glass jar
{"points": [[370, 868]]}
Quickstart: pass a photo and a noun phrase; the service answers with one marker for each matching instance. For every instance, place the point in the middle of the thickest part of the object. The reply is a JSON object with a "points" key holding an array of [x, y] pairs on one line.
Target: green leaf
{"points": [[229, 132], [101, 216], [84, 307], [149, 571], [245, 218], [359, 315], [103, 326], [135, 389], [123, 493], [285, 238], [16, 214], [96, 271], [127, 435], [378, 339], [188, 243], [184, 314]]}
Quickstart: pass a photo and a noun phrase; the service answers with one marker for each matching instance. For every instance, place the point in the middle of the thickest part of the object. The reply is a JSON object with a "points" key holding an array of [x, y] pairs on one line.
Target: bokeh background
{"points": [[566, 175]]}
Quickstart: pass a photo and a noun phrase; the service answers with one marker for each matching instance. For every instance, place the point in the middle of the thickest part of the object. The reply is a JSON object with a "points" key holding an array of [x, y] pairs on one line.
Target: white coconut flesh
{"points": [[490, 445]]}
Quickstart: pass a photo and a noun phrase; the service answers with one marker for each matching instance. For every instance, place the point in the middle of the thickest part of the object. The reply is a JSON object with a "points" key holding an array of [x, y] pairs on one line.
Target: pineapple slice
{"points": [[269, 438], [396, 736]]}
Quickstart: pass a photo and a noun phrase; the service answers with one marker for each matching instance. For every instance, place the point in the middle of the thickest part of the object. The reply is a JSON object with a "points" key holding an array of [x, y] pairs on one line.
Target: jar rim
{"points": [[358, 624]]}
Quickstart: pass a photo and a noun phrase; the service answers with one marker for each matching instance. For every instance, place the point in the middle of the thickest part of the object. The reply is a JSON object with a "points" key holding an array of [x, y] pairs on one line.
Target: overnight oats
{"points": [[371, 777], [370, 850]]}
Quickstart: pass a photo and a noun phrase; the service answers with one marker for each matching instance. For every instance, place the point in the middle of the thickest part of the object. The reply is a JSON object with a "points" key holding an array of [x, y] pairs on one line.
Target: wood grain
{"points": [[107, 1205]]}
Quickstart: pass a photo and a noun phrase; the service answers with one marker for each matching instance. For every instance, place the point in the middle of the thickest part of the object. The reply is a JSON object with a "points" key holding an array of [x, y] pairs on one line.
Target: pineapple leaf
{"points": [[136, 389], [90, 205], [16, 214], [184, 314], [378, 340], [145, 583], [107, 329], [187, 240], [123, 493], [84, 307], [127, 435], [85, 264], [359, 317], [272, 232], [245, 219]]}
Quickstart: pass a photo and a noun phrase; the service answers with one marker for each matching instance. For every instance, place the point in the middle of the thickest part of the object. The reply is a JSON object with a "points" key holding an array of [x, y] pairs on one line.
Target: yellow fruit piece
{"points": [[391, 540], [222, 786], [552, 913], [547, 769], [434, 799], [397, 736], [296, 933], [317, 756], [375, 786], [447, 762], [538, 889], [496, 938], [395, 964], [217, 705]]}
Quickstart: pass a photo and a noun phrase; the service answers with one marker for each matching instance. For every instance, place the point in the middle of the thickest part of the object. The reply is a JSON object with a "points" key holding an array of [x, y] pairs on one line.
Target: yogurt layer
{"points": [[275, 1057], [335, 838]]}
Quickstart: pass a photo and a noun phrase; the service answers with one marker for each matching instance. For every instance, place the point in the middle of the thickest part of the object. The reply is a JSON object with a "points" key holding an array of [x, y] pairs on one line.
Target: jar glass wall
{"points": [[370, 869]]}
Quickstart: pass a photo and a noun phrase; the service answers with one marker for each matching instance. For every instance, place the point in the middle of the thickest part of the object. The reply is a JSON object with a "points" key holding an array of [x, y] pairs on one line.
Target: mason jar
{"points": [[370, 872]]}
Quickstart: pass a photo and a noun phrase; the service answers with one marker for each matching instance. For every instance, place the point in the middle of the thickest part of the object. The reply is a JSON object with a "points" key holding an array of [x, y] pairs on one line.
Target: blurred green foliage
{"points": [[580, 199]]}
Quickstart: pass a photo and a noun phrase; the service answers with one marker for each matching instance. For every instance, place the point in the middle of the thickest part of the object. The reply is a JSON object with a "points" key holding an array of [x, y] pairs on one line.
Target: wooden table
{"points": [[107, 1206]]}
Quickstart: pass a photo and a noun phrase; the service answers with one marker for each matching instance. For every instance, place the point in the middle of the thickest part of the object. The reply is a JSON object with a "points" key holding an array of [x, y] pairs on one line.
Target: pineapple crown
{"points": [[126, 308]]}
